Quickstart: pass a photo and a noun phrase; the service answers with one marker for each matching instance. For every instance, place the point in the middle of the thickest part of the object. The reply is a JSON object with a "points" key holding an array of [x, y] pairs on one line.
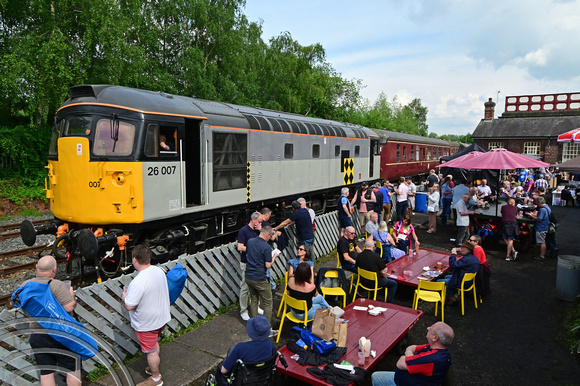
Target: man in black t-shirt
{"points": [[348, 250], [370, 261]]}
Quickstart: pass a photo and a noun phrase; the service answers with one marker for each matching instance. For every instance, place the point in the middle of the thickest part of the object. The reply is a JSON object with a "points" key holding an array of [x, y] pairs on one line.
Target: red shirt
{"points": [[480, 254]]}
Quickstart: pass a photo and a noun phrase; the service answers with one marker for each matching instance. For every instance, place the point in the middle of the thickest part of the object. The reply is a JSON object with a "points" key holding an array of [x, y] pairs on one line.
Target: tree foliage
{"points": [[202, 48]]}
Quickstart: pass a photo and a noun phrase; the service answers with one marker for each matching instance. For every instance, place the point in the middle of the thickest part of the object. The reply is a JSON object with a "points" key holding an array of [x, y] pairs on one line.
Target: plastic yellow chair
{"points": [[466, 278], [298, 305], [379, 246], [371, 276], [433, 292], [340, 266], [333, 291], [283, 291]]}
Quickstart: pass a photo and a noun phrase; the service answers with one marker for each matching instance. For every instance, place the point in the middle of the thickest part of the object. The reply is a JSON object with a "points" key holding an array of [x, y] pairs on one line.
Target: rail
{"points": [[213, 281]]}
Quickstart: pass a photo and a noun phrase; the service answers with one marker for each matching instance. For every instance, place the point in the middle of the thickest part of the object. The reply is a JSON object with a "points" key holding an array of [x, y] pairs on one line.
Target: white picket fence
{"points": [[214, 278]]}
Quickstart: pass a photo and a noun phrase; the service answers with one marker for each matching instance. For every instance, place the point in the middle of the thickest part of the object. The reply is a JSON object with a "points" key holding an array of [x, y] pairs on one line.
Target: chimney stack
{"points": [[489, 110]]}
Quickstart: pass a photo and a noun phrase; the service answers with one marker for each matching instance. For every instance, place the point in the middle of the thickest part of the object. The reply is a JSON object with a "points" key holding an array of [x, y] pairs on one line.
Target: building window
{"points": [[494, 145], [532, 148], [315, 151], [570, 151], [229, 161], [288, 150]]}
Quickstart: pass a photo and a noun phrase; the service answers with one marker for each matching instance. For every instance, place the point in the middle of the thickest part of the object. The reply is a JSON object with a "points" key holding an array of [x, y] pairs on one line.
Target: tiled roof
{"points": [[526, 127]]}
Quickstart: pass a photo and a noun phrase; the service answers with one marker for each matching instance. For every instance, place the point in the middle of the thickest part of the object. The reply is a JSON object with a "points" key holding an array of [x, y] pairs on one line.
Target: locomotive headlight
{"points": [[119, 178]]}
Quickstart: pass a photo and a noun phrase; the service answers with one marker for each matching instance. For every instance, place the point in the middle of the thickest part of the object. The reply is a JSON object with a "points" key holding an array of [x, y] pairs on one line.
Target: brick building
{"points": [[531, 125]]}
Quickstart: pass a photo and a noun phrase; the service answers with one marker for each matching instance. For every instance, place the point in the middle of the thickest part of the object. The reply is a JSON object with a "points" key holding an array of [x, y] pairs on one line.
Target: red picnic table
{"points": [[423, 258], [384, 331]]}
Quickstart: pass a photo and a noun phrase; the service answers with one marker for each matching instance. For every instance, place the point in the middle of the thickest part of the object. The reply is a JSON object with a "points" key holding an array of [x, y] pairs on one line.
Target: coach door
{"points": [[194, 157]]}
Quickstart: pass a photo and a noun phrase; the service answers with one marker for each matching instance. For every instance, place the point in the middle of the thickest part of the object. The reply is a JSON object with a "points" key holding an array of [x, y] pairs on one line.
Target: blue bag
{"points": [[176, 278], [39, 302], [323, 346]]}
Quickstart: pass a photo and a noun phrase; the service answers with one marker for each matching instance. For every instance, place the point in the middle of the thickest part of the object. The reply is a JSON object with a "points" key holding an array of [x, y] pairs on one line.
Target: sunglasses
{"points": [[472, 240], [302, 249]]}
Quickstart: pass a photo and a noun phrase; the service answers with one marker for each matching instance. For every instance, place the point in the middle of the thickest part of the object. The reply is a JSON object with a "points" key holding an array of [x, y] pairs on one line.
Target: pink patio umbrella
{"points": [[457, 162], [499, 159]]}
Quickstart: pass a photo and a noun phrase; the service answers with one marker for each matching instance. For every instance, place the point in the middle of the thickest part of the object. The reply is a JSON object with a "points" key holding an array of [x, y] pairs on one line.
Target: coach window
{"points": [[357, 151], [315, 151], [288, 150], [230, 156], [106, 144], [412, 154], [405, 153]]}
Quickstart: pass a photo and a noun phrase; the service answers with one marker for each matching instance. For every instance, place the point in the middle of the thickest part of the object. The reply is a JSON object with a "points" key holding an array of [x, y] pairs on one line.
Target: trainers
{"points": [[245, 316], [150, 382], [507, 258], [260, 311], [539, 258], [515, 254], [148, 370], [273, 333]]}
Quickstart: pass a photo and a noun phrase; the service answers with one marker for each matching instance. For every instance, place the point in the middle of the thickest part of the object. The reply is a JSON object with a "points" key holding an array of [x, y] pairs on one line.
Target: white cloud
{"points": [[452, 54]]}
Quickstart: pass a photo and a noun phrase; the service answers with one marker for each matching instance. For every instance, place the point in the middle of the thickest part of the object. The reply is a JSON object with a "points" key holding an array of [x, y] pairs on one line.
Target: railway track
{"points": [[9, 231]]}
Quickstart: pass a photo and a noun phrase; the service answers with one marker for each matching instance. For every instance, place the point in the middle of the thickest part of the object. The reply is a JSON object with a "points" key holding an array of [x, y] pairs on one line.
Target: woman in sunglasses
{"points": [[301, 286], [303, 256]]}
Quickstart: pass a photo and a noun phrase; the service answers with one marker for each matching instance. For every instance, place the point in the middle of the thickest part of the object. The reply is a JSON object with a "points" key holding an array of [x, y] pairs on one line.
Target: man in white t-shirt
{"points": [[147, 299], [483, 190]]}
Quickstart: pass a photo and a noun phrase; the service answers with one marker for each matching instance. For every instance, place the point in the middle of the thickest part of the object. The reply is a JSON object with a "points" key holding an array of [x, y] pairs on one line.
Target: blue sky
{"points": [[452, 54]]}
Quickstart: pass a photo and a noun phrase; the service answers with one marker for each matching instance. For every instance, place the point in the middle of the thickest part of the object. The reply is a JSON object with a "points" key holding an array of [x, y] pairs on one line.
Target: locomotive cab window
{"points": [[161, 141], [315, 151], [113, 138]]}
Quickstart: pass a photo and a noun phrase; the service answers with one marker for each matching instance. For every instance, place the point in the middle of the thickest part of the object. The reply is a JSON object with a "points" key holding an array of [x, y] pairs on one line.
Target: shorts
{"points": [[345, 222], [148, 339], [541, 237], [510, 230], [58, 359]]}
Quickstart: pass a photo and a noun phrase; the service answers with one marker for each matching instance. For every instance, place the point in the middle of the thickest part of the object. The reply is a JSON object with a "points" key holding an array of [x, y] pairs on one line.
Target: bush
{"points": [[23, 157]]}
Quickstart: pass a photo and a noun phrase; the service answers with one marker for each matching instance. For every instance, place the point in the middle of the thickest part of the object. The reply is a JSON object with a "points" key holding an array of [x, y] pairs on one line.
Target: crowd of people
{"points": [[384, 213]]}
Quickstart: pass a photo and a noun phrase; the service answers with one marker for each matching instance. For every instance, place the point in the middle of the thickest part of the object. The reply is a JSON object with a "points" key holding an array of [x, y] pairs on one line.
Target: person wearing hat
{"points": [[258, 349], [467, 262]]}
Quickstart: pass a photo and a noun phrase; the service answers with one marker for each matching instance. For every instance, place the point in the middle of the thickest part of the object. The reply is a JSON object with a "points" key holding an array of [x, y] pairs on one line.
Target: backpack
{"points": [[553, 227], [38, 301], [176, 278]]}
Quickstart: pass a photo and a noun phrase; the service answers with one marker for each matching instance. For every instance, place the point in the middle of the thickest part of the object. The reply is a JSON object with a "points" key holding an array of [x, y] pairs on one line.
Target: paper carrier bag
{"points": [[323, 324]]}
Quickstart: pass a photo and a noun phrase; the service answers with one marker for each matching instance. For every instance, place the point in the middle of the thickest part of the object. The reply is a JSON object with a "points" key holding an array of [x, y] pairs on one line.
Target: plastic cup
{"points": [[410, 252], [361, 358], [439, 266], [68, 283], [367, 349]]}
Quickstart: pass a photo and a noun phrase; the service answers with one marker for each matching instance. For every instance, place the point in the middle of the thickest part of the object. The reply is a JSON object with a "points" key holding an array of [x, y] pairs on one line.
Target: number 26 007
{"points": [[163, 170]]}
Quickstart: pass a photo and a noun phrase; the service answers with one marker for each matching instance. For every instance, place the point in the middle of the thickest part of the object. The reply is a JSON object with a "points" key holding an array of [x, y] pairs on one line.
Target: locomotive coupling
{"points": [[89, 243], [28, 231]]}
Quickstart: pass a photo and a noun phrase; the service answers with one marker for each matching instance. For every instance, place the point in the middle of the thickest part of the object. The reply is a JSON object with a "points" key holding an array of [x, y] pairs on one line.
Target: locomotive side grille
{"points": [[81, 91]]}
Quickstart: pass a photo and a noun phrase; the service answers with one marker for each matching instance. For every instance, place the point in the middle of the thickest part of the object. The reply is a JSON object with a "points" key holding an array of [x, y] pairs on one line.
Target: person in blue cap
{"points": [[258, 349]]}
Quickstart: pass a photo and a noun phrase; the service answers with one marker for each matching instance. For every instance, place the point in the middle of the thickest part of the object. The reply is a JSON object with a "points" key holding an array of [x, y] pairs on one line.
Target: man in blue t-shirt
{"points": [[248, 231], [425, 364], [344, 211], [386, 201], [542, 224], [258, 349], [260, 258], [303, 222]]}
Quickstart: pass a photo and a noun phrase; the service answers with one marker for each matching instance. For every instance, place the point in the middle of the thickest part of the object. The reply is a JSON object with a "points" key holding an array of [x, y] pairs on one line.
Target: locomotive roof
{"points": [[394, 135], [155, 102]]}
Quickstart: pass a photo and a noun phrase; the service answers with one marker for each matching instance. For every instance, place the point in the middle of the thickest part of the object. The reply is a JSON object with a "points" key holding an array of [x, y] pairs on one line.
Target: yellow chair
{"points": [[298, 305], [283, 291], [379, 247], [340, 266], [433, 292], [371, 276], [466, 278], [333, 291]]}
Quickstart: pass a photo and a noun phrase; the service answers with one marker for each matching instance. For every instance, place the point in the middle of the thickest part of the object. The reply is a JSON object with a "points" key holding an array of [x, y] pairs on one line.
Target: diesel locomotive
{"points": [[128, 166]]}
